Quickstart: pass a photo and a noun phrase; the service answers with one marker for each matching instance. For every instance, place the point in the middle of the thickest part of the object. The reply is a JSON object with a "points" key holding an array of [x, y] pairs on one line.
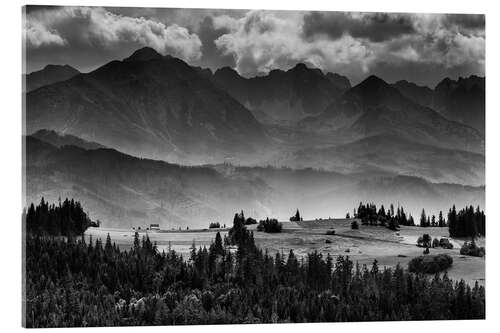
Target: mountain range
{"points": [[374, 107], [148, 105], [151, 138], [284, 96]]}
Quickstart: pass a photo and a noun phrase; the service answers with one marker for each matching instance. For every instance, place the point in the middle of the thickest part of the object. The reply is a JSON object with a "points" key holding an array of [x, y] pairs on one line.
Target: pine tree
{"points": [[423, 219], [441, 221]]}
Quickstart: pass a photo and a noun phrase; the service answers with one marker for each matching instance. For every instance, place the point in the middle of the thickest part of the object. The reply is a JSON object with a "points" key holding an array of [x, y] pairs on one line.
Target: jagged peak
{"points": [[373, 81], [374, 89], [144, 54]]}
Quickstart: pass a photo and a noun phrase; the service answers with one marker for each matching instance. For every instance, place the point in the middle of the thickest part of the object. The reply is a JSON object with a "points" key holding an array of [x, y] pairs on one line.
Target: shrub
{"points": [[435, 243], [430, 264], [269, 225], [424, 241], [354, 225], [214, 225], [445, 243], [471, 249], [250, 220]]}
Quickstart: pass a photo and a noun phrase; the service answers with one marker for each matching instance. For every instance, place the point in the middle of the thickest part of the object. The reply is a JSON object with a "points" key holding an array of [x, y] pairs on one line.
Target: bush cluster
{"points": [[430, 264], [427, 241], [471, 249]]}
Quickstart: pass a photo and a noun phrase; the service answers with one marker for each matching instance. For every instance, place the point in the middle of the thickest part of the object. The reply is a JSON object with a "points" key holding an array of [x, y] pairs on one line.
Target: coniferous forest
{"points": [[70, 282]]}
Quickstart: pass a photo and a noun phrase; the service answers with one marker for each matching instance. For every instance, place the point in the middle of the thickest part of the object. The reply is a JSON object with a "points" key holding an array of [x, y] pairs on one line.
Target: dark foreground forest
{"points": [[73, 283]]}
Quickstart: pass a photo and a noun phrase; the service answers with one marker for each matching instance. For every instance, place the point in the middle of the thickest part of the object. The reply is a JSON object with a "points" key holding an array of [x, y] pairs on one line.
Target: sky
{"points": [[421, 48]]}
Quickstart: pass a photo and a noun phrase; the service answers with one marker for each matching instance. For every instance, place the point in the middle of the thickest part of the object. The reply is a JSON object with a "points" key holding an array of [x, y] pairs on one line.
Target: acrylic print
{"points": [[211, 166]]}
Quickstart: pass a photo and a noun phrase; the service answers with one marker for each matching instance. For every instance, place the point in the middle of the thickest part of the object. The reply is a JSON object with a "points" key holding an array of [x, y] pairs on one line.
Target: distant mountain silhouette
{"points": [[374, 107], [390, 154], [48, 75], [461, 100], [148, 105], [59, 140], [284, 96]]}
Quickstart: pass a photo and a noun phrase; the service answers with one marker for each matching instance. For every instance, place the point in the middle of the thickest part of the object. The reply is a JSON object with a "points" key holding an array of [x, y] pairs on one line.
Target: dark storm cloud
{"points": [[35, 8], [376, 27], [467, 21]]}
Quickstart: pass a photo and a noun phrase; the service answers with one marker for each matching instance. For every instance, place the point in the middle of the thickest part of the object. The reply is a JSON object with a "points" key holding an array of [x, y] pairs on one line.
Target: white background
{"points": [[10, 165]]}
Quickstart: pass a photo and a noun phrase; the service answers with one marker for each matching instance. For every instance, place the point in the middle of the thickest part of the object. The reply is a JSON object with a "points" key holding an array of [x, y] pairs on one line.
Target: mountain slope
{"points": [[124, 191], [393, 155], [48, 75], [148, 105], [283, 96], [374, 107]]}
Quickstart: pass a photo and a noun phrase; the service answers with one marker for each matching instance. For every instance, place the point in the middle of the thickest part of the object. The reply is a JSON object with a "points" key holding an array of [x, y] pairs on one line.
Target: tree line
{"points": [[67, 218], [468, 222], [70, 282]]}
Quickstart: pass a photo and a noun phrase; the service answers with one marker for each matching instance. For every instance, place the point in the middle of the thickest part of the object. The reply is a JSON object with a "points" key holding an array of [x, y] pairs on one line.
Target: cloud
{"points": [[263, 40], [353, 44], [474, 22], [376, 27], [38, 35], [254, 42], [98, 27]]}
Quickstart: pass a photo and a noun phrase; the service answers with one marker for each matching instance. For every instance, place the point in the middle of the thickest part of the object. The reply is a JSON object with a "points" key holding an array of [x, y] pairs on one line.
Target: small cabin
{"points": [[154, 226]]}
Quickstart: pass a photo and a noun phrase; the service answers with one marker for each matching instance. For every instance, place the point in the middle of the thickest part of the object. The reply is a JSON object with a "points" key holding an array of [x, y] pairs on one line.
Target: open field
{"points": [[363, 245]]}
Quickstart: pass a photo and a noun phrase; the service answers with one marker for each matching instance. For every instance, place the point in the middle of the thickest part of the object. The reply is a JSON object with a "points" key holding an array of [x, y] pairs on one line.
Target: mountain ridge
{"points": [[283, 96], [374, 107], [461, 100], [160, 108], [48, 75], [391, 154]]}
